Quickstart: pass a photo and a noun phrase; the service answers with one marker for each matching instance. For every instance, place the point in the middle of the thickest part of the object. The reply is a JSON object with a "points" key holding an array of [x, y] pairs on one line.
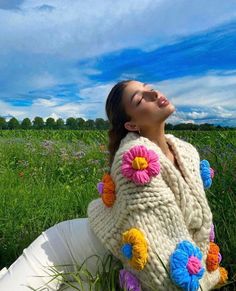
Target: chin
{"points": [[170, 111], [171, 108]]}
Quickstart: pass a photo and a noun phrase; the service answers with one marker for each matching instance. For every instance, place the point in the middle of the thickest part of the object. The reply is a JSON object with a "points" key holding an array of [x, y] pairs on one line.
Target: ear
{"points": [[130, 126]]}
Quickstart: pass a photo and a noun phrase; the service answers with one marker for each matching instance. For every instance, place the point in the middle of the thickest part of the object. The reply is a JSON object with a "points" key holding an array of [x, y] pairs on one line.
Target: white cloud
{"points": [[78, 29], [43, 80], [213, 95], [52, 102], [210, 90], [53, 115], [198, 114], [95, 94]]}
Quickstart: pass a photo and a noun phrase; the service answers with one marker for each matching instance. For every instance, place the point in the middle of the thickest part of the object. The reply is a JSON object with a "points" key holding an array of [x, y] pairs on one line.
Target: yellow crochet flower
{"points": [[135, 248]]}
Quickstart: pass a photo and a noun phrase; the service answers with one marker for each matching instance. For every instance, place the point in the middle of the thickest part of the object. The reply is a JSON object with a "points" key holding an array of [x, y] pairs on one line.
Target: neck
{"points": [[157, 135]]}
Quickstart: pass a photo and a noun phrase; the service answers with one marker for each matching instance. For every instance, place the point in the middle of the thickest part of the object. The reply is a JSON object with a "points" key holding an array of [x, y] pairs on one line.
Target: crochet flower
{"points": [[134, 248], [128, 281], [185, 266], [212, 233], [223, 275], [213, 257], [207, 173], [212, 238], [106, 189], [140, 164]]}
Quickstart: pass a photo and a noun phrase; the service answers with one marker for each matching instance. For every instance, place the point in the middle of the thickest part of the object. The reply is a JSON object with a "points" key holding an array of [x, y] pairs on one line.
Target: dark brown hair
{"points": [[117, 117]]}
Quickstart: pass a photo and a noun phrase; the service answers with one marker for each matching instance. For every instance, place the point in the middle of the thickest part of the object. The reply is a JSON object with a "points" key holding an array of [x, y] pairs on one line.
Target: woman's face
{"points": [[142, 103]]}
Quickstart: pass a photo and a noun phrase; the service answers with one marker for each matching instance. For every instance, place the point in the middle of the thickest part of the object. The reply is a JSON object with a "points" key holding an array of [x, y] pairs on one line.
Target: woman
{"points": [[152, 199]]}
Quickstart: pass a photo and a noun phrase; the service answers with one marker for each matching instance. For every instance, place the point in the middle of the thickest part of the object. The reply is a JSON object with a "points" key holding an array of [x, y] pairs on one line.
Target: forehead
{"points": [[131, 88]]}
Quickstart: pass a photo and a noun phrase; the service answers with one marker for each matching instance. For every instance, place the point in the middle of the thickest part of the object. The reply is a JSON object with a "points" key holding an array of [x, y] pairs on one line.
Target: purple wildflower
{"points": [[129, 281]]}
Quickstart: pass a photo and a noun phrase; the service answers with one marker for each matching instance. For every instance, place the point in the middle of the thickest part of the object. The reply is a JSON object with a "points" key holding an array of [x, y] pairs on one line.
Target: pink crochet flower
{"points": [[140, 164], [212, 173]]}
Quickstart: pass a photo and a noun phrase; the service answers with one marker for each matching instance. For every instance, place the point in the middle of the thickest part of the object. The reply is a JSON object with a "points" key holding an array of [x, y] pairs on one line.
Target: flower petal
{"points": [[141, 177]]}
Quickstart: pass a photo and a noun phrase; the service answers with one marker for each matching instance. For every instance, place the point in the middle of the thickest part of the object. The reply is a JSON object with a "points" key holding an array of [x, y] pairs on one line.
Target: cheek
{"points": [[147, 109]]}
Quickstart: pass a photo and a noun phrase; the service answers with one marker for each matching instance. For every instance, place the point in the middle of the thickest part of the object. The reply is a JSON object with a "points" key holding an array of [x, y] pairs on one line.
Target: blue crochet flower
{"points": [[186, 267], [206, 173]]}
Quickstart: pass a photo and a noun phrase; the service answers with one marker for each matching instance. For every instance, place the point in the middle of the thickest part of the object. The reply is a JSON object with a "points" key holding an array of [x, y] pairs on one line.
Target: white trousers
{"points": [[66, 243]]}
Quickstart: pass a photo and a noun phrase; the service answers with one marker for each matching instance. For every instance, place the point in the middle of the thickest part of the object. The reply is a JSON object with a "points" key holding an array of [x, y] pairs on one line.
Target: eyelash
{"points": [[142, 98]]}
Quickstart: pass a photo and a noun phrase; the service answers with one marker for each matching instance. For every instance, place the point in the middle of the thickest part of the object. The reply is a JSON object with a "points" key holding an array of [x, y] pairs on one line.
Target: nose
{"points": [[150, 96]]}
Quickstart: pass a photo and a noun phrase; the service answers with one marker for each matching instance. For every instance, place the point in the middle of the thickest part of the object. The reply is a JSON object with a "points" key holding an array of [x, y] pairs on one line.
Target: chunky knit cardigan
{"points": [[167, 209]]}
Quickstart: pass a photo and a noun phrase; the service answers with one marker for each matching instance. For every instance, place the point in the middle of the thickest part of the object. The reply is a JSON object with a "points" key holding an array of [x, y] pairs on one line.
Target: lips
{"points": [[162, 101]]}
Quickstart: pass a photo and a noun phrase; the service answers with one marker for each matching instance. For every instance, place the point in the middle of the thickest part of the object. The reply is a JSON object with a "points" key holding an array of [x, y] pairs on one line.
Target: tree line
{"points": [[98, 123]]}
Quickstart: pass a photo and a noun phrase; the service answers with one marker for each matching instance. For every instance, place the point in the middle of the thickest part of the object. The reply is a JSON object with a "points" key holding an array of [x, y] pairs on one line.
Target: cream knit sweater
{"points": [[169, 209]]}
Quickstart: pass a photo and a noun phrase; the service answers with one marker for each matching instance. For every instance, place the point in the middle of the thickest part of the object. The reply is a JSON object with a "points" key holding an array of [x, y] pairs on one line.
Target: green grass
{"points": [[50, 176]]}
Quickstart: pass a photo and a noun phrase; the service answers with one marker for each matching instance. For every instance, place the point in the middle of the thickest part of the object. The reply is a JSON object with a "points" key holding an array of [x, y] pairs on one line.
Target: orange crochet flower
{"points": [[107, 190], [212, 261], [223, 275]]}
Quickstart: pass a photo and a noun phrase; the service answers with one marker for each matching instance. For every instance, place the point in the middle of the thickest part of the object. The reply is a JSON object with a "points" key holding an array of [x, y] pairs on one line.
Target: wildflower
{"points": [[47, 143], [140, 164], [79, 154], [134, 248], [185, 266], [102, 147], [23, 163], [21, 174], [128, 281]]}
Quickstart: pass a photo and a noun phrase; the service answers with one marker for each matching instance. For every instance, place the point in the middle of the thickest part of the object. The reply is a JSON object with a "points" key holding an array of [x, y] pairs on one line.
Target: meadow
{"points": [[47, 176]]}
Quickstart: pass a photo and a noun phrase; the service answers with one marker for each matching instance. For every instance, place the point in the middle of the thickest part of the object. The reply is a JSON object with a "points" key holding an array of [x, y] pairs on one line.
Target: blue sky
{"points": [[61, 58]]}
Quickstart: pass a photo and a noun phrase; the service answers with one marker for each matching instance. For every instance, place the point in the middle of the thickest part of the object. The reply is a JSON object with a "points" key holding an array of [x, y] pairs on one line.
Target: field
{"points": [[50, 176]]}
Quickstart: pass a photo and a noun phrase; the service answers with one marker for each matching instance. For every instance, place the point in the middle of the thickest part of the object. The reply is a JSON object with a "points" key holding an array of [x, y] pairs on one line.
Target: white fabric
{"points": [[68, 242], [169, 209]]}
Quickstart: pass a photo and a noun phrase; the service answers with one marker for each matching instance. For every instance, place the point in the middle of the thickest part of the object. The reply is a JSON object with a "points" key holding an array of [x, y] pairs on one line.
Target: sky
{"points": [[61, 58]]}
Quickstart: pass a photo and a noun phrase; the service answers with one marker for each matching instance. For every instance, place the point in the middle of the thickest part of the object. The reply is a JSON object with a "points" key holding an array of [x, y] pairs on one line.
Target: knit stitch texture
{"points": [[169, 209]]}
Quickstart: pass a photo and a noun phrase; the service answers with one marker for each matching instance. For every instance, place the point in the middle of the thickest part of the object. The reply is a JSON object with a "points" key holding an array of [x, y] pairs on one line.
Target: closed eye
{"points": [[139, 101], [142, 97]]}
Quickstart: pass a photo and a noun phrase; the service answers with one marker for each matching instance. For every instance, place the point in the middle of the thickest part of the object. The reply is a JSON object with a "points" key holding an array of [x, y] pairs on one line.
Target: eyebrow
{"points": [[132, 97]]}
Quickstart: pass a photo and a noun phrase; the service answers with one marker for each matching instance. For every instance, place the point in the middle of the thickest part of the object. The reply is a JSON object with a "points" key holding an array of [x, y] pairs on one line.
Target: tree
{"points": [[80, 123], [206, 126], [38, 123], [13, 123], [50, 123], [169, 126], [26, 123], [107, 124], [60, 123], [3, 123], [71, 123], [89, 124], [100, 123]]}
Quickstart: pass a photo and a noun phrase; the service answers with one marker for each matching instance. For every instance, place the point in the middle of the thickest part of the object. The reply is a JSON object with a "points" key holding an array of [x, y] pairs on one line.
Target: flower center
{"points": [[100, 187], [127, 250], [139, 163], [194, 265]]}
